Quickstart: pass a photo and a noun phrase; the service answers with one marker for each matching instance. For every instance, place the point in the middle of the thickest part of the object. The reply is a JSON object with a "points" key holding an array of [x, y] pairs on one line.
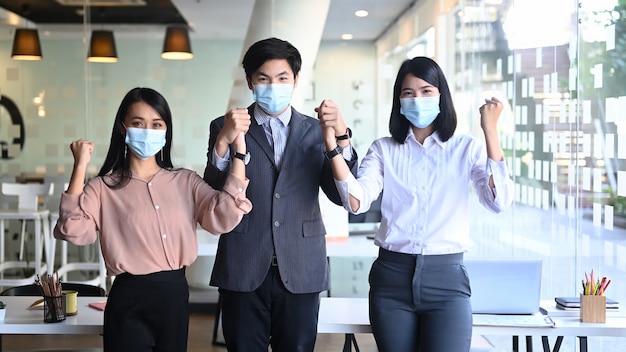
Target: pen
{"points": [[601, 286], [606, 284]]}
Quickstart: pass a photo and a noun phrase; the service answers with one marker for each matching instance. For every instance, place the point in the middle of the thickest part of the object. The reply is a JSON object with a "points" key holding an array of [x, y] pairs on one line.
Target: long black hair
{"points": [[428, 70], [117, 161]]}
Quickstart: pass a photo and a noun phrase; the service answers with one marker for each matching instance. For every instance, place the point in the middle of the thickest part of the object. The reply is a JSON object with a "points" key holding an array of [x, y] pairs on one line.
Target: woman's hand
{"points": [[490, 113], [331, 121], [81, 149], [240, 143], [236, 121]]}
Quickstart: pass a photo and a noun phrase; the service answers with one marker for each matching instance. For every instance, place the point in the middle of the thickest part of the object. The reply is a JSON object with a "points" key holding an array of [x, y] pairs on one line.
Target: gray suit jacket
{"points": [[285, 218]]}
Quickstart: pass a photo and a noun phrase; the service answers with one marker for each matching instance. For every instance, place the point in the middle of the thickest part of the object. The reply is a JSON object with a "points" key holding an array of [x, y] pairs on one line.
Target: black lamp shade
{"points": [[176, 45], [26, 45], [102, 47]]}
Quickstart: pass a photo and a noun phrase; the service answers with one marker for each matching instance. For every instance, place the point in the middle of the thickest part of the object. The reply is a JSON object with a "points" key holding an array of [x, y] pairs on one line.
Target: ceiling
{"points": [[210, 19]]}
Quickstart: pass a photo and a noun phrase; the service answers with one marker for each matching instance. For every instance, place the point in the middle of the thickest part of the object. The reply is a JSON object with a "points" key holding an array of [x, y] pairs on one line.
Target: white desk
{"points": [[347, 316], [351, 315], [351, 246], [20, 320]]}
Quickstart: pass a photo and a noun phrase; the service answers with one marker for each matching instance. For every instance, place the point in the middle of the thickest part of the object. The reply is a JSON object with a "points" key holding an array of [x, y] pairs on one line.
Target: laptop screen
{"points": [[504, 286]]}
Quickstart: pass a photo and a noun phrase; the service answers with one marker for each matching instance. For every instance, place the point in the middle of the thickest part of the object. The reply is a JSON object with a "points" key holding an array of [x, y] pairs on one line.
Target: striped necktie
{"points": [[278, 140]]}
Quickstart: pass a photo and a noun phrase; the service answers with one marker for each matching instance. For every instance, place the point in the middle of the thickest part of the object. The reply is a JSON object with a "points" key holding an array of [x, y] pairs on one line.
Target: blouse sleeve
{"points": [[76, 223], [368, 184], [220, 211], [500, 197]]}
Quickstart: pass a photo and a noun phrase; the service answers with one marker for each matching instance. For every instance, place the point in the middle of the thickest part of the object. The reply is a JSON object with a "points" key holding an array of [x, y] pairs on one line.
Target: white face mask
{"points": [[420, 111], [144, 142]]}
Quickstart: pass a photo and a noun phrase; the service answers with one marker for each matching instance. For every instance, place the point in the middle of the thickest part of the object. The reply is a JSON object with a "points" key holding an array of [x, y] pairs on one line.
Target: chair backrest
{"points": [[27, 193], [60, 183], [6, 203], [32, 290]]}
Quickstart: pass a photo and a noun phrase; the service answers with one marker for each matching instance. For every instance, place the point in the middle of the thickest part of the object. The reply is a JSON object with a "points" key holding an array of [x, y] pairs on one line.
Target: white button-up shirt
{"points": [[425, 203]]}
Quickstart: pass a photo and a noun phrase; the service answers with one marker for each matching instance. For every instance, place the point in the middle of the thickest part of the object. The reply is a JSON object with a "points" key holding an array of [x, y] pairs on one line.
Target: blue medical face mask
{"points": [[145, 142], [420, 111], [272, 98]]}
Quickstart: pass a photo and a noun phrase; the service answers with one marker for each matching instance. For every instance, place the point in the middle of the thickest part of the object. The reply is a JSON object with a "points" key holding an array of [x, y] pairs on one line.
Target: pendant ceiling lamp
{"points": [[102, 47], [176, 45], [26, 45]]}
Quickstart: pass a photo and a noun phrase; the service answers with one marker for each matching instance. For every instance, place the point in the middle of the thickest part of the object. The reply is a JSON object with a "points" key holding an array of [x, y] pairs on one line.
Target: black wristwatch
{"points": [[345, 136], [333, 153], [244, 157]]}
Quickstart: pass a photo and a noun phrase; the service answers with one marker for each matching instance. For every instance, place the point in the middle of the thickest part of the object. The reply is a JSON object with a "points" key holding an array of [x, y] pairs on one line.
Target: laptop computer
{"points": [[504, 286]]}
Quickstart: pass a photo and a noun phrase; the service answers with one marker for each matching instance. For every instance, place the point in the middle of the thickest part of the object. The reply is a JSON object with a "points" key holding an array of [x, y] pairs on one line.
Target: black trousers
{"points": [[147, 313], [270, 315]]}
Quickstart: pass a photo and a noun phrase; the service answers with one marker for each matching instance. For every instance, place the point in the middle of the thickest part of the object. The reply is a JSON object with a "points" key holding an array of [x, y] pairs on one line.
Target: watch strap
{"points": [[243, 157], [333, 153], [348, 135]]}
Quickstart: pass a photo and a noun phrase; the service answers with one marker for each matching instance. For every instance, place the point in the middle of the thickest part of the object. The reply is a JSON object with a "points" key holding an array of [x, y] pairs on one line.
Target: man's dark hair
{"points": [[269, 49]]}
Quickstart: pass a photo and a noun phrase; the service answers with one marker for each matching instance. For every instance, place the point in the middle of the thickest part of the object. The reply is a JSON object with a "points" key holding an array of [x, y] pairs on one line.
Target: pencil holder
{"points": [[53, 309], [592, 309]]}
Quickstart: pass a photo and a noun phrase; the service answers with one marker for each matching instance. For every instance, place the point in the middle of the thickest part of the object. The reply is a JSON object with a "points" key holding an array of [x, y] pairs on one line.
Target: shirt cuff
{"points": [[237, 189], [347, 153], [500, 173], [219, 162], [349, 187]]}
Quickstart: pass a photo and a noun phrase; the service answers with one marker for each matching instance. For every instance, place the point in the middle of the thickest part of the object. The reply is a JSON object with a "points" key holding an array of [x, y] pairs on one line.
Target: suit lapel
{"points": [[297, 130], [257, 133]]}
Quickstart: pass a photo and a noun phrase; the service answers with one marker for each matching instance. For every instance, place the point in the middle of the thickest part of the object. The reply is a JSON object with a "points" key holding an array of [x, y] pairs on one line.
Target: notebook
{"points": [[504, 286], [574, 303]]}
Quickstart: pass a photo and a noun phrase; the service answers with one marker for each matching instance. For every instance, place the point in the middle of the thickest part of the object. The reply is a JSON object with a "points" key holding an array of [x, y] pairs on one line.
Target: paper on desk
{"points": [[38, 304], [535, 320], [98, 305]]}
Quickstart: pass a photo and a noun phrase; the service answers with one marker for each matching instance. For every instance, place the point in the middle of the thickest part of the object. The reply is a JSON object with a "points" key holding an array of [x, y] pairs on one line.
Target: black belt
{"points": [[274, 261]]}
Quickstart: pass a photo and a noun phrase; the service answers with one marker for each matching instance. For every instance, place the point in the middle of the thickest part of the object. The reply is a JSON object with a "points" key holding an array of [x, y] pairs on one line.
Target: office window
{"points": [[561, 70]]}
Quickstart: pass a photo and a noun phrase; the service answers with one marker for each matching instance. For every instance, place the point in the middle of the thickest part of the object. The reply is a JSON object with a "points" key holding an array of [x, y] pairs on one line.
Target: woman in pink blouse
{"points": [[146, 213]]}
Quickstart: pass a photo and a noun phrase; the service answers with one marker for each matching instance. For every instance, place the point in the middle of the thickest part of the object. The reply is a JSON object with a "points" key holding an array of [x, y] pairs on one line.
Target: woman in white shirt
{"points": [[419, 289]]}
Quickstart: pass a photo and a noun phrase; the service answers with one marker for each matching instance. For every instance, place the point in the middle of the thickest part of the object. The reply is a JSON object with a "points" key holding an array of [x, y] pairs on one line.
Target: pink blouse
{"points": [[150, 226]]}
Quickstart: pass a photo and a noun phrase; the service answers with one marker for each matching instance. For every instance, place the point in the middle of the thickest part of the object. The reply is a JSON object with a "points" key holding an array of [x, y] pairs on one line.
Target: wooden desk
{"points": [[351, 315]]}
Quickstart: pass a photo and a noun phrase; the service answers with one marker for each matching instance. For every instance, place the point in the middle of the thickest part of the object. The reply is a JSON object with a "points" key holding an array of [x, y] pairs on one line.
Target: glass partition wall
{"points": [[560, 66]]}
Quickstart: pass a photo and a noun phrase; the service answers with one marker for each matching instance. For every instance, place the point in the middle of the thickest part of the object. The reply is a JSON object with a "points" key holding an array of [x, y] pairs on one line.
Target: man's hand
{"points": [[329, 115], [236, 122]]}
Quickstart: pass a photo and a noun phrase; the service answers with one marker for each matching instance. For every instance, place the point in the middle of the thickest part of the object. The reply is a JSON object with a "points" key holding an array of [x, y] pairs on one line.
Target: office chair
{"points": [[83, 290]]}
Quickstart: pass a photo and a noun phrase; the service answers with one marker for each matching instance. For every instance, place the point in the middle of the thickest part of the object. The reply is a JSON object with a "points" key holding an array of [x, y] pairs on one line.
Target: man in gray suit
{"points": [[271, 268]]}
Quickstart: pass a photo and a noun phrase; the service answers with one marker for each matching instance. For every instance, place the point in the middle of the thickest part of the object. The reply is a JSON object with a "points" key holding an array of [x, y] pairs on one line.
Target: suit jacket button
{"points": [[276, 195], [276, 223]]}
